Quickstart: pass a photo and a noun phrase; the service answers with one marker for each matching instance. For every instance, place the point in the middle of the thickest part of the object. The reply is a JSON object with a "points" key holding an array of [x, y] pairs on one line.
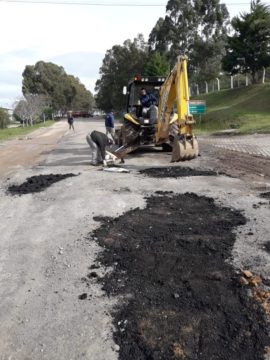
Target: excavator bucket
{"points": [[185, 148]]}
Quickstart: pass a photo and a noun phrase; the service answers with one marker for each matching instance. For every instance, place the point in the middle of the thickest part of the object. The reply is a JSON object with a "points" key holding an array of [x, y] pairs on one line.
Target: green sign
{"points": [[197, 107]]}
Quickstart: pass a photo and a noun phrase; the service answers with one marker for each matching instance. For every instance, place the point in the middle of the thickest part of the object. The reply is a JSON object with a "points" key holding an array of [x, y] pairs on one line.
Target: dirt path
{"points": [[52, 271], [25, 151], [234, 156]]}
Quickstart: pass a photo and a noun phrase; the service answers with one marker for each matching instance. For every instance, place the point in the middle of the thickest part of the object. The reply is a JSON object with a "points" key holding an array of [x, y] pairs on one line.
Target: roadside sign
{"points": [[197, 107]]}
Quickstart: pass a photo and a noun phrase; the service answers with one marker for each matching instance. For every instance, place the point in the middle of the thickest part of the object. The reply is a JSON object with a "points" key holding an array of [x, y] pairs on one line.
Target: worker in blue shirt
{"points": [[109, 124], [147, 99]]}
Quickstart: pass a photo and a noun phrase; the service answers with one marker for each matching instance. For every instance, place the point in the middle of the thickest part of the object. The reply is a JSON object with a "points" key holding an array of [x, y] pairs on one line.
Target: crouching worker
{"points": [[98, 142]]}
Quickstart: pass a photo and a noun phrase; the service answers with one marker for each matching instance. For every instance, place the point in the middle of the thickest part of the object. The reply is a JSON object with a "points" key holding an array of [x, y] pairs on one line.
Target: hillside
{"points": [[247, 110]]}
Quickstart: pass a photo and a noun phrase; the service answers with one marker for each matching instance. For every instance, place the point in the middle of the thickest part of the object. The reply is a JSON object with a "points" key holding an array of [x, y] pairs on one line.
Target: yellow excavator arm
{"points": [[179, 125]]}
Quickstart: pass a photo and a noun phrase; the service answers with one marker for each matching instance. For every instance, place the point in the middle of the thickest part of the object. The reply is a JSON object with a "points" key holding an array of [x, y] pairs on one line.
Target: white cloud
{"points": [[75, 37]]}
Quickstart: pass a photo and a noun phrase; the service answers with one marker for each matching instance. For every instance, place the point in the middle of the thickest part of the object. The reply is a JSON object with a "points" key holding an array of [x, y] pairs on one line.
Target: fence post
{"points": [[218, 84], [263, 77], [231, 82], [206, 87]]}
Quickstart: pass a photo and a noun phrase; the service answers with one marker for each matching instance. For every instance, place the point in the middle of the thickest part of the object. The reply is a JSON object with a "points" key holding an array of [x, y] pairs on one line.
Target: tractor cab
{"points": [[152, 85], [140, 122]]}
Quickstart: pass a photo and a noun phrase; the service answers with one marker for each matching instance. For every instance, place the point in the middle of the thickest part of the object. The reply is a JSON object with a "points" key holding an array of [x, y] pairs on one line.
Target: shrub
{"points": [[4, 118]]}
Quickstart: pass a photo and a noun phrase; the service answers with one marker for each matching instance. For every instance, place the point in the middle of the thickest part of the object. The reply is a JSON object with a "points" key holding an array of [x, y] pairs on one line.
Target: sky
{"points": [[75, 36]]}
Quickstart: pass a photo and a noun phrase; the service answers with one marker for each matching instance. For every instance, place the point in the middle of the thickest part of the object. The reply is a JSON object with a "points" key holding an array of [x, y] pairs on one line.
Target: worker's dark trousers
{"points": [[96, 155]]}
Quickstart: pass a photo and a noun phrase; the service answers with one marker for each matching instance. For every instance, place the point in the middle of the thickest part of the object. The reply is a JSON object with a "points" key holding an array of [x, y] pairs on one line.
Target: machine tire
{"points": [[130, 133]]}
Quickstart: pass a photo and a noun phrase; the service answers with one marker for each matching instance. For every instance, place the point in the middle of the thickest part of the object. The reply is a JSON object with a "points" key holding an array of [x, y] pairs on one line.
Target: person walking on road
{"points": [[109, 124], [70, 120], [98, 142]]}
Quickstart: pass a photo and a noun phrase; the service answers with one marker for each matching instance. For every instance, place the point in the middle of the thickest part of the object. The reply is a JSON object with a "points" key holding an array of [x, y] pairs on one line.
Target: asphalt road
{"points": [[45, 249]]}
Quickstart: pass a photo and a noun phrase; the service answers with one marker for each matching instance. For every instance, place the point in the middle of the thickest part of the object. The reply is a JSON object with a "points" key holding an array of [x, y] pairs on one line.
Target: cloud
{"points": [[84, 65], [10, 77], [8, 94], [75, 37]]}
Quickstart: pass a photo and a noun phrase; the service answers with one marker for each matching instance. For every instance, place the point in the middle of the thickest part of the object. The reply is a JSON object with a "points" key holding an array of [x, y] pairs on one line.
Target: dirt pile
{"points": [[175, 172], [37, 183], [183, 299]]}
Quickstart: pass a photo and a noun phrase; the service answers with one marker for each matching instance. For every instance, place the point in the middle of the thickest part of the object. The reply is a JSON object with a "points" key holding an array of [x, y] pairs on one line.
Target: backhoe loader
{"points": [[160, 126]]}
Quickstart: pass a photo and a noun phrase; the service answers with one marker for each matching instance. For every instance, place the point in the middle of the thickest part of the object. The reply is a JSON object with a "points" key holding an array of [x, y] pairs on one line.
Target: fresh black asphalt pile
{"points": [[183, 298], [267, 246], [173, 171], [37, 183], [265, 195]]}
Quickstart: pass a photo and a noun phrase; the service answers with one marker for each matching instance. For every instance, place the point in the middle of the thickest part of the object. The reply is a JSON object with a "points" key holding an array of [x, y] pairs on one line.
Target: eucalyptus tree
{"points": [[248, 49], [196, 28]]}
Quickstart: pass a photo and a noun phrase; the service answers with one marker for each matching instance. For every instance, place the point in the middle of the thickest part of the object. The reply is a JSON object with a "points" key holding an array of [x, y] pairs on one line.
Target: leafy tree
{"points": [[189, 27], [157, 65], [120, 64], [78, 97], [206, 61], [64, 91], [4, 118], [248, 49]]}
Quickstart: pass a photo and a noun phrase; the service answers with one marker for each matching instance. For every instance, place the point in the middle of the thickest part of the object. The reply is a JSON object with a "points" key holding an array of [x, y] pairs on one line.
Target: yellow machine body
{"points": [[174, 90]]}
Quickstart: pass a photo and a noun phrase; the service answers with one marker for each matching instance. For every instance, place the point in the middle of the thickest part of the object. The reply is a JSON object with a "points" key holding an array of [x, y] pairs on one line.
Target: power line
{"points": [[82, 3], [47, 2]]}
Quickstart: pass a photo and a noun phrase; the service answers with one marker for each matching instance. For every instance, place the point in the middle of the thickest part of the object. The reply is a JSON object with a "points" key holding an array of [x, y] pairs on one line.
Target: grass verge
{"points": [[7, 134], [246, 110]]}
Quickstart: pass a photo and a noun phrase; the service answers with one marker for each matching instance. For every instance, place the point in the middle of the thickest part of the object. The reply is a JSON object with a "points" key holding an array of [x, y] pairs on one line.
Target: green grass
{"points": [[6, 134], [247, 110]]}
